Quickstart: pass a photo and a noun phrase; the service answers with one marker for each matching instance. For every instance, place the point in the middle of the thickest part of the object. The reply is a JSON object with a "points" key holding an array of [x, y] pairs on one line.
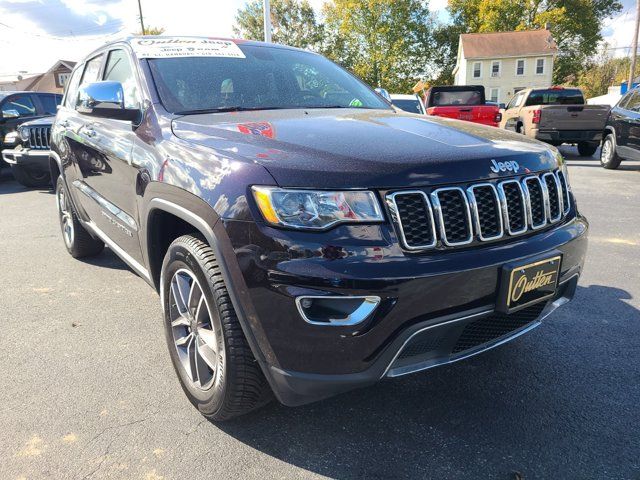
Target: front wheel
{"points": [[208, 349], [587, 149], [609, 159], [77, 239], [30, 178]]}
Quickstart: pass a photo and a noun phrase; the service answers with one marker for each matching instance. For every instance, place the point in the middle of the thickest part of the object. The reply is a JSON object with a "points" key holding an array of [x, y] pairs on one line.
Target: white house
{"points": [[505, 62]]}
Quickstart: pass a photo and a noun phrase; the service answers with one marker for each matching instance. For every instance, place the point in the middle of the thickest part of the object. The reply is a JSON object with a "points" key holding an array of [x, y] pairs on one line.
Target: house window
{"points": [[477, 69], [495, 68], [495, 94], [63, 78], [520, 67], [540, 66]]}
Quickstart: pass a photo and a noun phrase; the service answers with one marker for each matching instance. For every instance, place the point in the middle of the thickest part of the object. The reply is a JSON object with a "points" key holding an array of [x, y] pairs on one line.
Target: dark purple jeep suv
{"points": [[305, 236]]}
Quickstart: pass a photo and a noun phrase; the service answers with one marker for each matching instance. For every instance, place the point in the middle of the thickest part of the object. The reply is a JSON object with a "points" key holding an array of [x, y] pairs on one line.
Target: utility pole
{"points": [[267, 21], [634, 47], [142, 21]]}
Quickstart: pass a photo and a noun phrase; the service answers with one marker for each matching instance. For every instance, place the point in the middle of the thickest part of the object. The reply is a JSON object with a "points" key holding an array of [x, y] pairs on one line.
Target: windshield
{"points": [[408, 105], [267, 78], [555, 97]]}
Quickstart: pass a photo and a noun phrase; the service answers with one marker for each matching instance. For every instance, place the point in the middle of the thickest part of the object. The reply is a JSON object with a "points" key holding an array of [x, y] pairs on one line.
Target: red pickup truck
{"points": [[464, 102]]}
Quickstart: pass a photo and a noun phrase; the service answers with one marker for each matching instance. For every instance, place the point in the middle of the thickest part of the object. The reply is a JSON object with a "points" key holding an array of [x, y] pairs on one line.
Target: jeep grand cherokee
{"points": [[305, 237]]}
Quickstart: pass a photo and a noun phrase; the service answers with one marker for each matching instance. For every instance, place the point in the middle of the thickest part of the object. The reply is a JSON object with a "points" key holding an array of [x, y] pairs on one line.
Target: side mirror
{"points": [[502, 106], [105, 100], [10, 114]]}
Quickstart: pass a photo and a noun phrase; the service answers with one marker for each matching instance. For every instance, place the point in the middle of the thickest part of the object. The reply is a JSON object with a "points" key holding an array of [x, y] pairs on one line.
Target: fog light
{"points": [[336, 311]]}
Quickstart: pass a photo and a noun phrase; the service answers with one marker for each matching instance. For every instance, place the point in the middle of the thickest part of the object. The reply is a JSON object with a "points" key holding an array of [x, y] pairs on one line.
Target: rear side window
{"points": [[49, 104], [119, 69], [408, 105], [564, 96], [20, 103], [453, 98]]}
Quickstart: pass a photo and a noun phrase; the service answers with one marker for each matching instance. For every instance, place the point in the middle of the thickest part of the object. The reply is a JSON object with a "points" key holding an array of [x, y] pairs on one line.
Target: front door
{"points": [[511, 114]]}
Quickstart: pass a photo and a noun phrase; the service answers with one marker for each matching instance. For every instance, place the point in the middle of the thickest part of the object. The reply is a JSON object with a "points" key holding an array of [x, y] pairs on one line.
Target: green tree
{"points": [[293, 22], [602, 72], [575, 24], [385, 42], [151, 31]]}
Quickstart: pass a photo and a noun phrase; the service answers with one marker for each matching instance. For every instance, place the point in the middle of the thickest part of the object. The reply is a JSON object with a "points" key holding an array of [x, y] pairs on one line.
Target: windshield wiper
{"points": [[236, 108]]}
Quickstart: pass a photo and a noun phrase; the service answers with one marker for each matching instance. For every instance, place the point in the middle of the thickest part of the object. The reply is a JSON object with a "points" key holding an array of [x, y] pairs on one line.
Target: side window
{"points": [[519, 99], [119, 69], [91, 71], [633, 103], [71, 90], [20, 103], [49, 104]]}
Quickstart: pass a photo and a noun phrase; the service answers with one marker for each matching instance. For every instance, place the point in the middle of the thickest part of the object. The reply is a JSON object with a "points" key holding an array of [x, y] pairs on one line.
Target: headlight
{"points": [[24, 134], [10, 138], [316, 209]]}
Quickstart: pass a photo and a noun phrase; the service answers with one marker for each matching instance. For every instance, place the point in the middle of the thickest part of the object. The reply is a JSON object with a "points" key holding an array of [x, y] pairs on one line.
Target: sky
{"points": [[34, 34]]}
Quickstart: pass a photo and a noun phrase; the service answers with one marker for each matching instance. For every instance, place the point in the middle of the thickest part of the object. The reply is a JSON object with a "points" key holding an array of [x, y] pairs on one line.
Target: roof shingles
{"points": [[508, 44]]}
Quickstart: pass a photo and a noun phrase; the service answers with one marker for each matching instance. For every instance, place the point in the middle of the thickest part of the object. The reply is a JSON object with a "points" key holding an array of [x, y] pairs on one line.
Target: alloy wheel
{"points": [[607, 150], [66, 219], [194, 337]]}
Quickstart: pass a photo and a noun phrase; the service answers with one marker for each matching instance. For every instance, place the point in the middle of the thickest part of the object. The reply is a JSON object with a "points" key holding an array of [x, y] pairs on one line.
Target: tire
{"points": [[609, 159], [77, 239], [209, 352], [30, 178], [587, 149]]}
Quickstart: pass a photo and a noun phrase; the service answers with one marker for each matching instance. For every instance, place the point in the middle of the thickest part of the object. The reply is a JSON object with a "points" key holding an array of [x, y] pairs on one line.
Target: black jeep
{"points": [[305, 237], [29, 158]]}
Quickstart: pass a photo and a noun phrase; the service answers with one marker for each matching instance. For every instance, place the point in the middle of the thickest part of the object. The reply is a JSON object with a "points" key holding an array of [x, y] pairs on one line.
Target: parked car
{"points": [[622, 131], [29, 159], [465, 102], [408, 103], [19, 107], [305, 241], [556, 115]]}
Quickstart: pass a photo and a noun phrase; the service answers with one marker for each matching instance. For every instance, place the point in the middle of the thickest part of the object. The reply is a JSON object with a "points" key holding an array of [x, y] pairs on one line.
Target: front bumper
{"points": [[32, 159], [568, 136], [434, 296]]}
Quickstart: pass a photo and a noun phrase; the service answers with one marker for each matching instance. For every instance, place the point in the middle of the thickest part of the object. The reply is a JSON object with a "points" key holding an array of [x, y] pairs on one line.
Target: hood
{"points": [[39, 122], [355, 148]]}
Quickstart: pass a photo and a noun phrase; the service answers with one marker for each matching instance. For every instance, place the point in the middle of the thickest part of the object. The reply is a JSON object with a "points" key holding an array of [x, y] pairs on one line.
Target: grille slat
{"points": [[453, 217], [39, 138]]}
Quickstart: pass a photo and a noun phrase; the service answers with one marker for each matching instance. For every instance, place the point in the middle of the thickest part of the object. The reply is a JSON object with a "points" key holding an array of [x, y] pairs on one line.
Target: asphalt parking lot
{"points": [[87, 389]]}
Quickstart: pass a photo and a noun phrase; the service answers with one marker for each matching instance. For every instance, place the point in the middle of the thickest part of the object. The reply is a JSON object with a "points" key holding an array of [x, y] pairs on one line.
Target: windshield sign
{"points": [[185, 47]]}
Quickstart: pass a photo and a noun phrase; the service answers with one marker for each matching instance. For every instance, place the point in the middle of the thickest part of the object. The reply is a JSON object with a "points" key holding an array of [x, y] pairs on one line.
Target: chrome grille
{"points": [[483, 212], [39, 138]]}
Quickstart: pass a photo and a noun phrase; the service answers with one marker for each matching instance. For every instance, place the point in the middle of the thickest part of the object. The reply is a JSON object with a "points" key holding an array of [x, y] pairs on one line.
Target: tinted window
{"points": [[450, 98], [71, 91], [119, 69], [633, 103], [564, 96], [92, 70], [20, 103], [265, 78], [408, 105], [50, 103]]}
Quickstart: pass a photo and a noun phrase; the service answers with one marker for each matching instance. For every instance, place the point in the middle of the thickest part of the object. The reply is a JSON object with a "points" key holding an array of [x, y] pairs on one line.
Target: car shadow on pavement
{"points": [[557, 403], [107, 259]]}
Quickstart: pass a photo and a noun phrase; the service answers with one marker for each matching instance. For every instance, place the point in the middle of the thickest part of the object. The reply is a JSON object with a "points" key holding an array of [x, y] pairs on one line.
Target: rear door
{"points": [[626, 121]]}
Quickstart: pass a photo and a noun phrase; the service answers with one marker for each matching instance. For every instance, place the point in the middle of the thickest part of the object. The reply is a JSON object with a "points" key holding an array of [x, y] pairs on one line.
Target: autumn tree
{"points": [[151, 31], [575, 24], [385, 42], [293, 23], [602, 72]]}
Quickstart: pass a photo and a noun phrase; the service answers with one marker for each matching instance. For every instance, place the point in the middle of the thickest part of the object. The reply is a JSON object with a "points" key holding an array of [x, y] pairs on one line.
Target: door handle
{"points": [[90, 132]]}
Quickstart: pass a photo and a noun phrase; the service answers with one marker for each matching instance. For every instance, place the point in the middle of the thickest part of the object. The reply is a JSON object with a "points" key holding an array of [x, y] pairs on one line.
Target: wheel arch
{"points": [[198, 216], [610, 130]]}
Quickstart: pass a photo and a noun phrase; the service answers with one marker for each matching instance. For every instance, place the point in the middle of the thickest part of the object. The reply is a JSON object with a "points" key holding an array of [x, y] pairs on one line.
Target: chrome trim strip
{"points": [[545, 201], [476, 215], [503, 199], [435, 200], [558, 193], [567, 207], [407, 369], [133, 263], [105, 204], [396, 217], [359, 315]]}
